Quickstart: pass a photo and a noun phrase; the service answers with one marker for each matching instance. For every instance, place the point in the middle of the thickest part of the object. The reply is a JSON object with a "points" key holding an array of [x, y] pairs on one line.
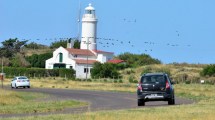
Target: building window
{"points": [[61, 57], [86, 70]]}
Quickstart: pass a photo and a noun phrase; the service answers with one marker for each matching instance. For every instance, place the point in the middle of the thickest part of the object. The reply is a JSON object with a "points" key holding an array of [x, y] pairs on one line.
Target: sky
{"points": [[168, 30]]}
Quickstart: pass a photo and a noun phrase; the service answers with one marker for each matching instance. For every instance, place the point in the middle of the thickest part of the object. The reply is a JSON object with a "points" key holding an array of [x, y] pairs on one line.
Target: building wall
{"points": [[85, 57], [55, 59], [80, 71], [104, 57]]}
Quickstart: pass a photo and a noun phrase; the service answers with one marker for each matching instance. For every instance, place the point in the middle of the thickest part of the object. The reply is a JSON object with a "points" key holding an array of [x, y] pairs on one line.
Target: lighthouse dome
{"points": [[90, 7]]}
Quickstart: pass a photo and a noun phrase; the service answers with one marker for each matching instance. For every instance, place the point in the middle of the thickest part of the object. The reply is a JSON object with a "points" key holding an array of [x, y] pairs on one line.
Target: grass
{"points": [[204, 95], [177, 72], [20, 102], [59, 83]]}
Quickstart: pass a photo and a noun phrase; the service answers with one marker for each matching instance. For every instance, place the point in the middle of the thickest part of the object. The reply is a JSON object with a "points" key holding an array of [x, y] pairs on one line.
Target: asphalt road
{"points": [[98, 100]]}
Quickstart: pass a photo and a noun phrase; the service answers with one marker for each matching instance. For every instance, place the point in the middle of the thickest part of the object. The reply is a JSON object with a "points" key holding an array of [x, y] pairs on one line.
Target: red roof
{"points": [[99, 51], [115, 61], [80, 52], [84, 61]]}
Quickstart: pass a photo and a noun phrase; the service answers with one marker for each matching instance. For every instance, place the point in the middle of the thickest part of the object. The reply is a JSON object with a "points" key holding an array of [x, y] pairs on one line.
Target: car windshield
{"points": [[153, 79], [22, 78]]}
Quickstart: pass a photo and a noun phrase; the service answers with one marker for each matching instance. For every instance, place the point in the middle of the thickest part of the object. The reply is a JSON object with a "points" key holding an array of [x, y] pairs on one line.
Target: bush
{"points": [[135, 81], [38, 72], [38, 60], [67, 73], [208, 71], [146, 70], [187, 82], [131, 80], [130, 71], [135, 60], [105, 80], [115, 81], [89, 80], [106, 70]]}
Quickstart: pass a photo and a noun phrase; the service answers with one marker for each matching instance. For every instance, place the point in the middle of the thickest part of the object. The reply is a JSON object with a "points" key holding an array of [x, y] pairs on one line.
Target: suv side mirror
{"points": [[172, 82]]}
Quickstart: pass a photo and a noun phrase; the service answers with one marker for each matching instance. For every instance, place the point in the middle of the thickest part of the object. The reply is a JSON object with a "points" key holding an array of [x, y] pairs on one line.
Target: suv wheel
{"points": [[140, 102], [171, 101]]}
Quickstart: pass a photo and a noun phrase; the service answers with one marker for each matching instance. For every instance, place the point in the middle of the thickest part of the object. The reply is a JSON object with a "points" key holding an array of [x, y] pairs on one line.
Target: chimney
{"points": [[70, 43]]}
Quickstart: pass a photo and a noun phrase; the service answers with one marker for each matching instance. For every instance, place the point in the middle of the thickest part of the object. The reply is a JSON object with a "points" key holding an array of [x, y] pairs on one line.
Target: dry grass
{"points": [[177, 72], [84, 85], [29, 52], [9, 98], [203, 109], [12, 102], [203, 94]]}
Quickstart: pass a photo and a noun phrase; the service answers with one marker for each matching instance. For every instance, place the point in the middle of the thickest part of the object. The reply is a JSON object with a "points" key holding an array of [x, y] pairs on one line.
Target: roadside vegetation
{"points": [[12, 102], [187, 86], [203, 108]]}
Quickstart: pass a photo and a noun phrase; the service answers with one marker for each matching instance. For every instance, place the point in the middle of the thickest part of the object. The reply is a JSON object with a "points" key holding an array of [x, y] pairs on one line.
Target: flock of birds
{"points": [[110, 42]]}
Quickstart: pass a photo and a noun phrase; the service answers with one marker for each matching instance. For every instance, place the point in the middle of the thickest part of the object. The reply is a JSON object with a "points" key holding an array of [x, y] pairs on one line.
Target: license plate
{"points": [[153, 96]]}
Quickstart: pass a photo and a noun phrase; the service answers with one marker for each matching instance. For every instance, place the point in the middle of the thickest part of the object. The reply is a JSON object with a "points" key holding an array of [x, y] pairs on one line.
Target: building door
{"points": [[60, 57], [57, 66]]}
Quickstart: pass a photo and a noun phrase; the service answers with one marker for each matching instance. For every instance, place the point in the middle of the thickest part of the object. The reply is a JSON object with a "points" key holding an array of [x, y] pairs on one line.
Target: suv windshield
{"points": [[159, 79]]}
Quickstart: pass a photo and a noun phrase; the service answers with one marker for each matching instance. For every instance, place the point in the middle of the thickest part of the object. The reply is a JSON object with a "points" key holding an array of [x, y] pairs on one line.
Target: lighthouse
{"points": [[89, 29]]}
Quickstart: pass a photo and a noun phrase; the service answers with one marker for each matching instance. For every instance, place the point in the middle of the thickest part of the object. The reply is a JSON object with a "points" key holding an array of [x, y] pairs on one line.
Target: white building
{"points": [[81, 60]]}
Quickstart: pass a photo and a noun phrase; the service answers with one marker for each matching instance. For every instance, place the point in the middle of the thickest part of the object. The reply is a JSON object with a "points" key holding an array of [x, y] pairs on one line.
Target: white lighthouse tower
{"points": [[89, 28]]}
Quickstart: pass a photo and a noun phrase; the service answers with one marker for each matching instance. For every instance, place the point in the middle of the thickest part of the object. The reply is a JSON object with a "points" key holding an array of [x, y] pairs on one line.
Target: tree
{"points": [[63, 43], [106, 70], [208, 70], [19, 61], [38, 60], [11, 47], [34, 45], [135, 60]]}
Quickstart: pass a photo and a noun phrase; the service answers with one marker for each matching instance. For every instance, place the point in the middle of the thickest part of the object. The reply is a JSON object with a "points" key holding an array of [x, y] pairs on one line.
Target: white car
{"points": [[20, 81]]}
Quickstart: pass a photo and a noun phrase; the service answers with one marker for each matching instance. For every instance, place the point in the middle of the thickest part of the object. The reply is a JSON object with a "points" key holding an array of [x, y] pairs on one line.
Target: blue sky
{"points": [[169, 30]]}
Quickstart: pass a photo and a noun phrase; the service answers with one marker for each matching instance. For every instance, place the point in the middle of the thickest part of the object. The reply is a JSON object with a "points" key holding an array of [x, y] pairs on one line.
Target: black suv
{"points": [[155, 87]]}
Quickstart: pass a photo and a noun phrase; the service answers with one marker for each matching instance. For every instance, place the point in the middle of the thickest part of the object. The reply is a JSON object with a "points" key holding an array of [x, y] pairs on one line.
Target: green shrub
{"points": [[208, 70], [89, 80], [135, 81], [37, 72], [120, 81], [131, 79], [105, 80], [130, 72], [146, 70], [136, 60], [187, 82], [115, 81]]}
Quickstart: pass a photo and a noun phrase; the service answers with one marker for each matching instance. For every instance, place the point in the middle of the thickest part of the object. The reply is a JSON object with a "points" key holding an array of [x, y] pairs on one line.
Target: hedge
{"points": [[38, 72]]}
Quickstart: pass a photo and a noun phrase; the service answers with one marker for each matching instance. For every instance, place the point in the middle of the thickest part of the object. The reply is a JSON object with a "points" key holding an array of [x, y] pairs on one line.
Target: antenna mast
{"points": [[79, 20]]}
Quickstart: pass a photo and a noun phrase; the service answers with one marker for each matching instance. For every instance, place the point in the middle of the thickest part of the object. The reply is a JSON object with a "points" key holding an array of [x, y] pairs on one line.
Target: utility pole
{"points": [[87, 70], [2, 74]]}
